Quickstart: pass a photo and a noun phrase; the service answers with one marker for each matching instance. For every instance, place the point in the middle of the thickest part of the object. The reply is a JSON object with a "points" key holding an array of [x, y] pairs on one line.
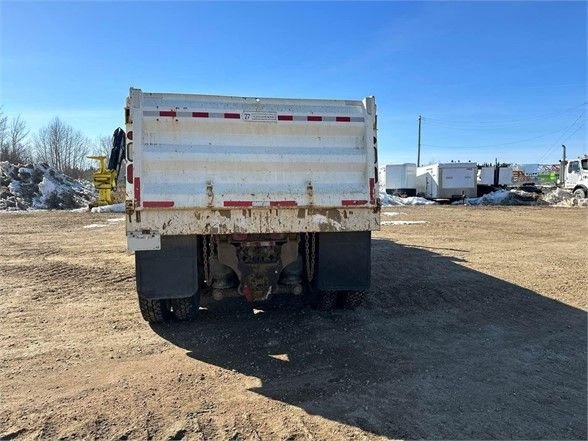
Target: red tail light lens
{"points": [[130, 173]]}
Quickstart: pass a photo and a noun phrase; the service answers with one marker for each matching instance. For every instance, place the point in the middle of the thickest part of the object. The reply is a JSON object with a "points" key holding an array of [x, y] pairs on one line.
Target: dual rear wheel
{"points": [[186, 309], [159, 310]]}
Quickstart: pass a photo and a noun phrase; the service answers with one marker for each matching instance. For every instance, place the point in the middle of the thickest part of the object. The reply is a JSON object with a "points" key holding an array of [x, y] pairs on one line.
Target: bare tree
{"points": [[3, 136], [62, 147], [104, 145], [13, 147], [18, 150]]}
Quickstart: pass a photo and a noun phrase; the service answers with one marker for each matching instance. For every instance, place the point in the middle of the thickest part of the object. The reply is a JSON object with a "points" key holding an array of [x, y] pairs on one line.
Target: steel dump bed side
{"points": [[213, 164]]}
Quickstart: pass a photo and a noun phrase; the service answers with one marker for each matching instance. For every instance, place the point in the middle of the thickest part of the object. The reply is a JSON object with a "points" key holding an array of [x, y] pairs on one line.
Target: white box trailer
{"points": [[248, 197], [486, 175], [401, 179], [451, 180]]}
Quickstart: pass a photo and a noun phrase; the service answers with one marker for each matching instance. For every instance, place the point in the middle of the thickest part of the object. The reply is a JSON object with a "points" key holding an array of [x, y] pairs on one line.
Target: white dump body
{"points": [[218, 164], [401, 177], [447, 180], [486, 176]]}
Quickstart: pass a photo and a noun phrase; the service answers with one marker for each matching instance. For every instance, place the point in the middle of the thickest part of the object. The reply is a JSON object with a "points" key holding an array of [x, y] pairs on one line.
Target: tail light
{"points": [[130, 173]]}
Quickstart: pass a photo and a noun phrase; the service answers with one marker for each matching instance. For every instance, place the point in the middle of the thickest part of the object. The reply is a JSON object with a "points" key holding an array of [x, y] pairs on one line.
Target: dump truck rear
{"points": [[249, 198]]}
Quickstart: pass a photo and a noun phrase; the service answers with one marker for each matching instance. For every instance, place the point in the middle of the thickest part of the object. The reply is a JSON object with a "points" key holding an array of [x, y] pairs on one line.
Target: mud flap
{"points": [[344, 261], [171, 272]]}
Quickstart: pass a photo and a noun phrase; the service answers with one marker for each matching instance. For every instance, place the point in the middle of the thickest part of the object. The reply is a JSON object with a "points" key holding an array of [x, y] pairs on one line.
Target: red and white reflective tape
{"points": [[283, 204], [137, 191], [158, 204], [353, 202], [241, 204], [238, 204], [236, 115]]}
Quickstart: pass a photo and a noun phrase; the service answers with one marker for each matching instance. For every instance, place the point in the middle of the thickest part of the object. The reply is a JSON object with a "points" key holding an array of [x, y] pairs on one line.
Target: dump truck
{"points": [[248, 199]]}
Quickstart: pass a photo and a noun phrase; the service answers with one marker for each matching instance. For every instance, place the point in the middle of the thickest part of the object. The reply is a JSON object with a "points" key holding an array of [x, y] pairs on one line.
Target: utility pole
{"points": [[419, 144], [562, 168]]}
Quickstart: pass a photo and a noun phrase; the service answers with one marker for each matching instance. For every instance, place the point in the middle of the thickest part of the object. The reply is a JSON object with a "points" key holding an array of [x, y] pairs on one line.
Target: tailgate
{"points": [[197, 151]]}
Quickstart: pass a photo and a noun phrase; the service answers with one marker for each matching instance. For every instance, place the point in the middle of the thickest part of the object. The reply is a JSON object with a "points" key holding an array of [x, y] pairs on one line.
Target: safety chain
{"points": [[205, 261], [207, 251], [310, 247]]}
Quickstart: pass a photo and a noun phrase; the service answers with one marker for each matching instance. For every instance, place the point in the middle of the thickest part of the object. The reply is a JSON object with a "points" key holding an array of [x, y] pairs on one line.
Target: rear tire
{"points": [[153, 311], [185, 309], [353, 299], [579, 193]]}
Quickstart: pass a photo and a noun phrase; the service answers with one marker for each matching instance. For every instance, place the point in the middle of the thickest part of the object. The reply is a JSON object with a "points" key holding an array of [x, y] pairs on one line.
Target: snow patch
{"points": [[402, 222], [389, 200], [115, 208], [96, 226]]}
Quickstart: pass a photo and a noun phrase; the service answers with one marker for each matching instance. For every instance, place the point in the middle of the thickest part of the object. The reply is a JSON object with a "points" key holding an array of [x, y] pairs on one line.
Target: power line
{"points": [[492, 124], [560, 140], [506, 143]]}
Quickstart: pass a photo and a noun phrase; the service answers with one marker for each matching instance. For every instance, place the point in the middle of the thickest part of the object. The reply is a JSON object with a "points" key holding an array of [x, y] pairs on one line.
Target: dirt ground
{"points": [[475, 327]]}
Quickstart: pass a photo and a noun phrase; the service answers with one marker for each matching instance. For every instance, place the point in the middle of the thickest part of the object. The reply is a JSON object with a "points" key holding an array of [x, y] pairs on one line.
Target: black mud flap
{"points": [[344, 261], [171, 272]]}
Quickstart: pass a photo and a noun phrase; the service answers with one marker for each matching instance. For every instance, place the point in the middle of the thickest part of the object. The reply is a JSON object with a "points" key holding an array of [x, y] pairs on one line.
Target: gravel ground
{"points": [[475, 327]]}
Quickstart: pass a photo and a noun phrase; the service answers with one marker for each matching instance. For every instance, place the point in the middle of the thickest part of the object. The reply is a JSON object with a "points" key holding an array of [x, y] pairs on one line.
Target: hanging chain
{"points": [[207, 253], [312, 255], [205, 261], [309, 248], [212, 245]]}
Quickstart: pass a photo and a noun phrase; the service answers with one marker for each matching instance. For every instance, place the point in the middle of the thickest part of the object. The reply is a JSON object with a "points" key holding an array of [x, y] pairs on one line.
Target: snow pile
{"points": [[115, 208], [38, 186], [389, 200], [557, 197], [503, 197], [564, 198]]}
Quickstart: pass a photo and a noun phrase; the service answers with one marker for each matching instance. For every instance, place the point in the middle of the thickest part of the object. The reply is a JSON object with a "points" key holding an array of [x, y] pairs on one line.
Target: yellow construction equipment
{"points": [[106, 178], [104, 181]]}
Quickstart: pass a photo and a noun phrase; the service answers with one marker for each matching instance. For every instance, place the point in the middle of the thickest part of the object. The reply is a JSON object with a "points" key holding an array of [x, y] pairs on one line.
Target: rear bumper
{"points": [[253, 221]]}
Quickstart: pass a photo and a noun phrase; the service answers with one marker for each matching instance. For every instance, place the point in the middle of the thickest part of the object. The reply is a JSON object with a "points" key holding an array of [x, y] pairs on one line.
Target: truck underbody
{"points": [[325, 269]]}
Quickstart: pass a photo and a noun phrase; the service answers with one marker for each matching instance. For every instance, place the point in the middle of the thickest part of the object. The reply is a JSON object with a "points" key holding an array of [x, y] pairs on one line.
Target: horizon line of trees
{"points": [[58, 144]]}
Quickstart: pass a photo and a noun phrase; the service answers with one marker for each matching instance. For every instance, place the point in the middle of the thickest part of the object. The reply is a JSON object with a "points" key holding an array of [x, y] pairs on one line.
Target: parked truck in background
{"points": [[249, 198], [576, 176]]}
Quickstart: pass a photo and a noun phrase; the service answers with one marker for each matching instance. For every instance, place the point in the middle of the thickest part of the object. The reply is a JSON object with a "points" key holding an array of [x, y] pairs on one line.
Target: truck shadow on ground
{"points": [[438, 351]]}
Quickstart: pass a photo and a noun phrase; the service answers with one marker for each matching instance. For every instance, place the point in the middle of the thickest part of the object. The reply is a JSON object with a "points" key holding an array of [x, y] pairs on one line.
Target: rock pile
{"points": [[38, 186]]}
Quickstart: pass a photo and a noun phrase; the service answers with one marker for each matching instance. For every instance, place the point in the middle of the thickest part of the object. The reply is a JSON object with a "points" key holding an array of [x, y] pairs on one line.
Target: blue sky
{"points": [[491, 79]]}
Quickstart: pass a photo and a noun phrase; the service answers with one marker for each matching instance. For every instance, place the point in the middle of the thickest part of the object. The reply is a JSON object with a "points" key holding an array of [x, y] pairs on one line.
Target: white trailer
{"points": [[401, 179], [450, 181], [252, 198], [486, 176]]}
